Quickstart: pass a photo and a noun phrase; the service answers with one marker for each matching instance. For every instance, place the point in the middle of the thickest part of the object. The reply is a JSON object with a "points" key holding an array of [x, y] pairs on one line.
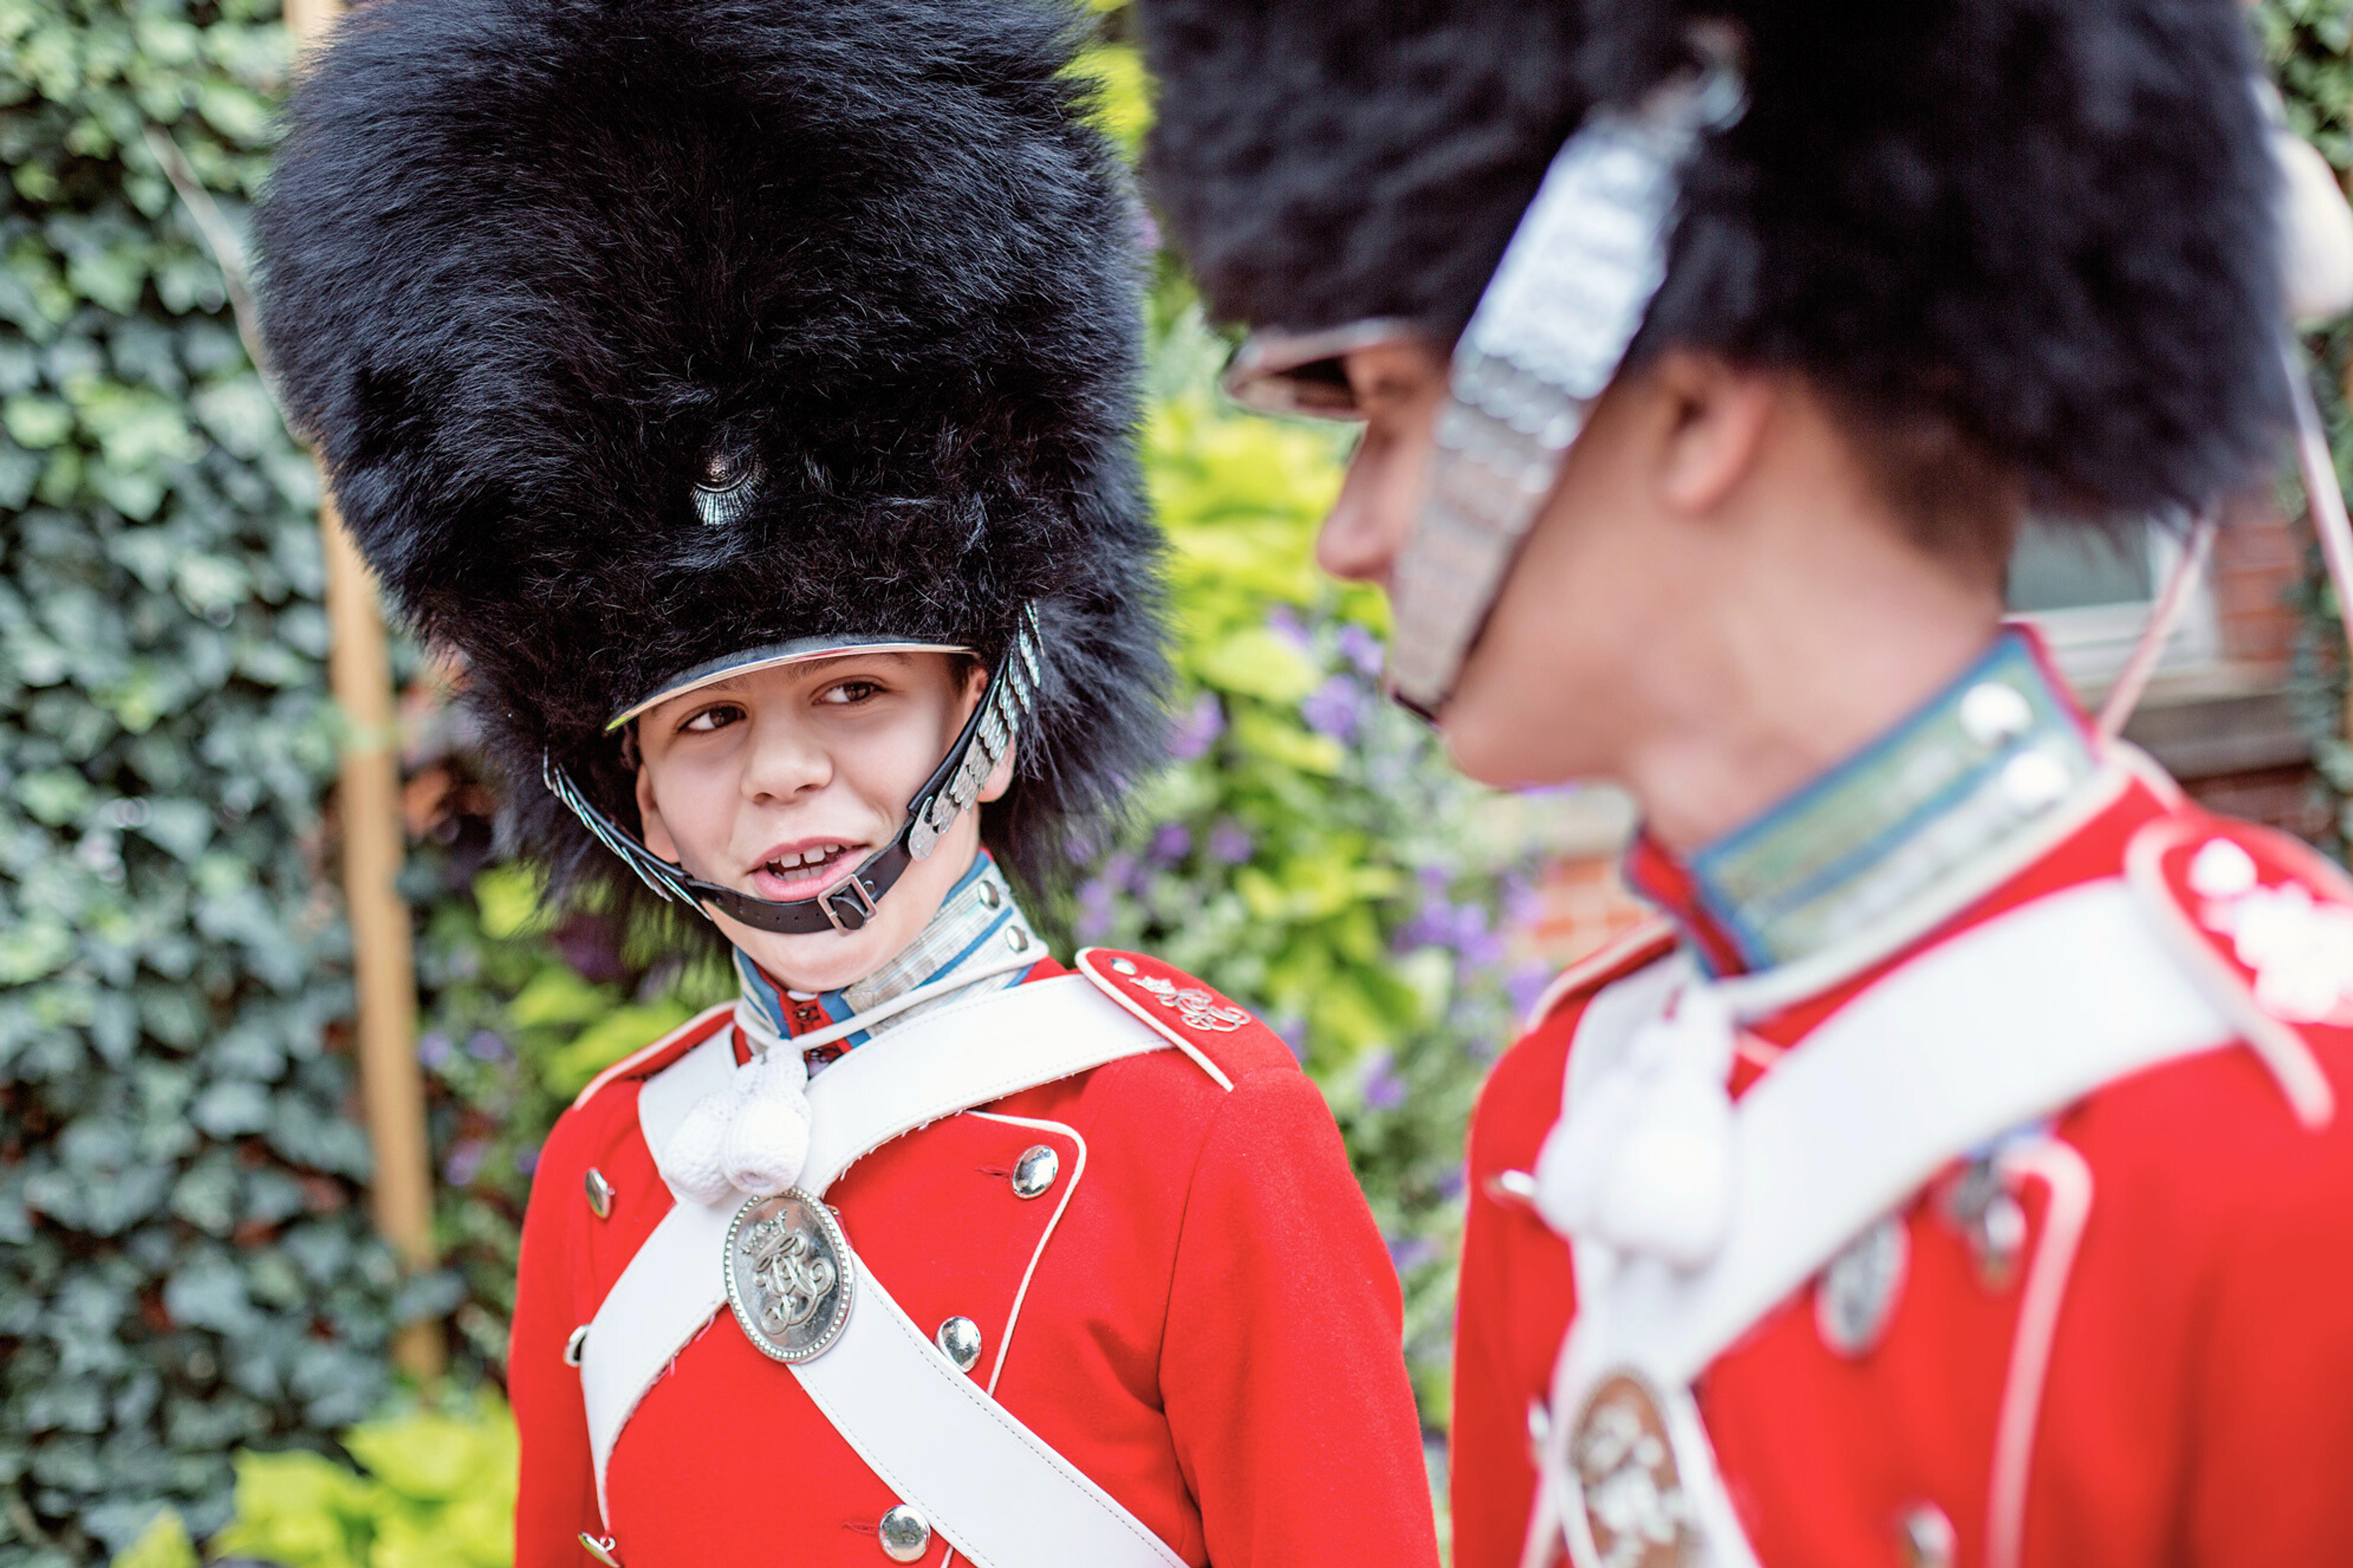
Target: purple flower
{"points": [[1384, 1089], [1525, 984], [527, 1160], [592, 945], [1293, 1031], [1171, 844], [1098, 909], [1522, 901], [433, 1048], [1450, 1185], [486, 1047], [1410, 1252], [1335, 709], [1361, 648], [1483, 952], [1193, 733], [1284, 622], [1230, 842], [465, 1162]]}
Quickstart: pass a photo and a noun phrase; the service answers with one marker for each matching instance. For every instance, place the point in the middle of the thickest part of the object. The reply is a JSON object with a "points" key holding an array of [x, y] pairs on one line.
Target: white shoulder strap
{"points": [[2010, 1021], [961, 1056], [996, 1490]]}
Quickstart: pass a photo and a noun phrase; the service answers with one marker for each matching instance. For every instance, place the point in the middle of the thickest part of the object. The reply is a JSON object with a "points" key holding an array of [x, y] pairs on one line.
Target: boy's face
{"points": [[779, 782]]}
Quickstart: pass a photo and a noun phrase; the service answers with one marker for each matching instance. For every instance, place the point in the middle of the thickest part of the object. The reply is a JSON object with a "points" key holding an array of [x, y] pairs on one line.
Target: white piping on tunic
{"points": [[2063, 1172]]}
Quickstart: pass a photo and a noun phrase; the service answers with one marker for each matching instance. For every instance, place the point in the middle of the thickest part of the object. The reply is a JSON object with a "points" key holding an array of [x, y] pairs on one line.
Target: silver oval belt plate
{"points": [[789, 1275], [1631, 1511]]}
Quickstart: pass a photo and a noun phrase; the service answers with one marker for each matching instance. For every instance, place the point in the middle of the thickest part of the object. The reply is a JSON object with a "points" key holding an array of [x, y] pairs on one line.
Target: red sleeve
{"points": [[1513, 1304], [1283, 1365], [2272, 1444], [557, 1499]]}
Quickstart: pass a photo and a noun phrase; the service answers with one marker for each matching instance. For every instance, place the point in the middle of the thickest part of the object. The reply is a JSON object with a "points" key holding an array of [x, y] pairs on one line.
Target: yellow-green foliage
{"points": [[434, 1489]]}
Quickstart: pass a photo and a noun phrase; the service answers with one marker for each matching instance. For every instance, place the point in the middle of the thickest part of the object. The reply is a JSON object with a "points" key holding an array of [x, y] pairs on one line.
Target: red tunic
{"points": [[1211, 1331], [2194, 1238]]}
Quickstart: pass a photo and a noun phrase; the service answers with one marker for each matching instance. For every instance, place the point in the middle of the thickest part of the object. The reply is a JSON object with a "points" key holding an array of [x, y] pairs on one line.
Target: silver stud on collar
{"points": [[1993, 713]]}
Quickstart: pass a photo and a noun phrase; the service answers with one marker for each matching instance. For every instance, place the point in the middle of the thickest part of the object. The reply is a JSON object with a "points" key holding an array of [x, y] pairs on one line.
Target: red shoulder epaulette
{"points": [[1639, 948], [662, 1052], [1226, 1038], [2265, 922]]}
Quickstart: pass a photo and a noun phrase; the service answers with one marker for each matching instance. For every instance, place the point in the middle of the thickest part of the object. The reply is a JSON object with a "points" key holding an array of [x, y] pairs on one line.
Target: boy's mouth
{"points": [[803, 869]]}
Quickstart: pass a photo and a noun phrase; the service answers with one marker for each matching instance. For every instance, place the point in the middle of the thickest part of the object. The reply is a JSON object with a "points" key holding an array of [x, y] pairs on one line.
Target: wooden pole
{"points": [[392, 1088]]}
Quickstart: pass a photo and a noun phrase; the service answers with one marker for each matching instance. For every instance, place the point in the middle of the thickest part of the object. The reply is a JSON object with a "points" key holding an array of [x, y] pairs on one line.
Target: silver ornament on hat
{"points": [[724, 492]]}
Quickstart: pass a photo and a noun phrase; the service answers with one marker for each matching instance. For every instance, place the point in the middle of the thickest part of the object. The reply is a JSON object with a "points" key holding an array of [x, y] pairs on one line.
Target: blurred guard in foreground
{"points": [[744, 391], [1962, 1172]]}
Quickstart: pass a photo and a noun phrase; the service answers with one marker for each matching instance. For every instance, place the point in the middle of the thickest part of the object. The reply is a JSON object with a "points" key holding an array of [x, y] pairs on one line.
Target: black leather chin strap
{"points": [[849, 904]]}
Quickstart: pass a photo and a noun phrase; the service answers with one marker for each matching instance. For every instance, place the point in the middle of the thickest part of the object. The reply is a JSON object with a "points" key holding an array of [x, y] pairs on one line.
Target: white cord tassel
{"points": [[1642, 1160], [753, 1135]]}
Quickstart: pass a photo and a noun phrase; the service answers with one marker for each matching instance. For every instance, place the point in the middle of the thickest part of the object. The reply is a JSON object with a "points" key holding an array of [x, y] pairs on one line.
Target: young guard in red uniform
{"points": [[745, 389], [1962, 1171]]}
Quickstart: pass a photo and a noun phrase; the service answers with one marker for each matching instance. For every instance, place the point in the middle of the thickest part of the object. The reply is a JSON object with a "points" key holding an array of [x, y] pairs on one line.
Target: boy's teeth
{"points": [[810, 858]]}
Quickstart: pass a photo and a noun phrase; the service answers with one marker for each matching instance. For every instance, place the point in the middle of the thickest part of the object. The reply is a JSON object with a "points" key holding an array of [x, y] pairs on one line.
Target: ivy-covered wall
{"points": [[2309, 44], [185, 1266]]}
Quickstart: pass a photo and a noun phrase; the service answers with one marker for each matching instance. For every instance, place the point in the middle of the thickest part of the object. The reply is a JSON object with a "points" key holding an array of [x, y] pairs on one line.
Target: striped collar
{"points": [[977, 921], [1976, 770]]}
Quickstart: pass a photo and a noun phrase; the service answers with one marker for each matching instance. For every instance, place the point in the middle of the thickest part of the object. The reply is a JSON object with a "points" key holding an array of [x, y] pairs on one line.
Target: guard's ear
{"points": [[651, 829], [1712, 417], [1000, 778]]}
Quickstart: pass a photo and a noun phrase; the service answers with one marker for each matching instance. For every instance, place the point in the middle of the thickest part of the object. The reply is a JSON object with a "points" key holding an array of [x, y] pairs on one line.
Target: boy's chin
{"points": [[821, 961], [1503, 749]]}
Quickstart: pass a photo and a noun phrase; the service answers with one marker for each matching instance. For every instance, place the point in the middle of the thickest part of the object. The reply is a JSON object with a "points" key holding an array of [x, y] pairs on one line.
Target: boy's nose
{"points": [[784, 763]]}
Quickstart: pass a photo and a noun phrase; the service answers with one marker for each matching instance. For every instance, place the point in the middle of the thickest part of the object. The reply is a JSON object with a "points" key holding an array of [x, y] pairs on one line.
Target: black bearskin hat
{"points": [[2047, 226], [1324, 163], [636, 333]]}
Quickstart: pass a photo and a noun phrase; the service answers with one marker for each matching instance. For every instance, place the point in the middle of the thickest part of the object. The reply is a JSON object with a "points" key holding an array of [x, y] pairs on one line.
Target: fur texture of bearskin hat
{"points": [[2047, 226], [1326, 161], [531, 265]]}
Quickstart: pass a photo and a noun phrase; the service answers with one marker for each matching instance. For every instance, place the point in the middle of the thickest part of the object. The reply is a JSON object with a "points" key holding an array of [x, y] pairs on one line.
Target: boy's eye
{"points": [[717, 717], [850, 691]]}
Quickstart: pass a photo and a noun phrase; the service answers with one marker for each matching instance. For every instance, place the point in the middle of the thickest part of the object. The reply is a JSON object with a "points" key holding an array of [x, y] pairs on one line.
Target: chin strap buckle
{"points": [[847, 904]]}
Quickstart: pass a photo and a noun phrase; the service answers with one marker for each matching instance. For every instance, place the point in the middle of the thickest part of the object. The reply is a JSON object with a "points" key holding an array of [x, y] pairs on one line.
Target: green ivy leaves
{"points": [[184, 1259]]}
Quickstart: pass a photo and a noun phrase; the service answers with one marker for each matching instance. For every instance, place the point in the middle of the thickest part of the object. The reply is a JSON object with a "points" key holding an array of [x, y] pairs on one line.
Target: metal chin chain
{"points": [[1556, 320], [951, 791]]}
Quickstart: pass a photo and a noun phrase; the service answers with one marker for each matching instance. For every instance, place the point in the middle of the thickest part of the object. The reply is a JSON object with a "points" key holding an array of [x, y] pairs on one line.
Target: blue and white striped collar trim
{"points": [[1979, 765]]}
